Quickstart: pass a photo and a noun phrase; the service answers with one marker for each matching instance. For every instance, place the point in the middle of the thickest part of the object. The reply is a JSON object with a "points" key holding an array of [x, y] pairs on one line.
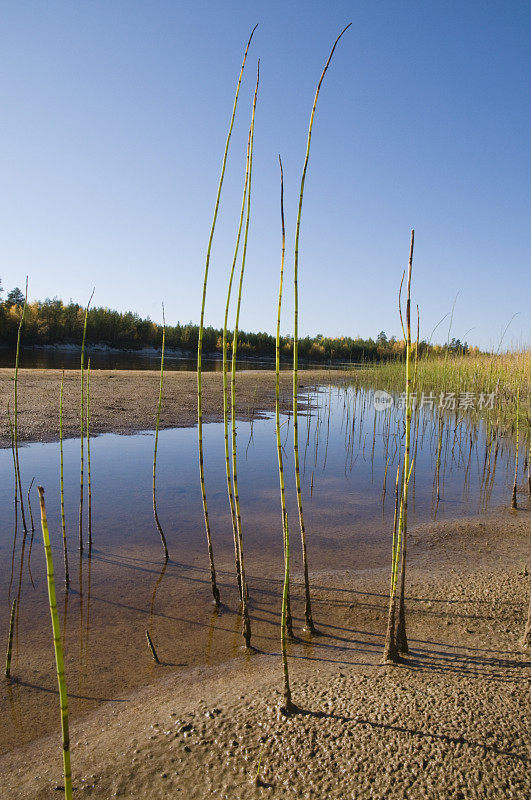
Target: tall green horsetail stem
{"points": [[61, 470], [225, 377], [289, 620], [390, 649], [215, 590], [81, 418], [59, 660], [308, 607], [246, 622], [159, 406], [15, 409], [396, 640], [10, 638], [284, 632]]}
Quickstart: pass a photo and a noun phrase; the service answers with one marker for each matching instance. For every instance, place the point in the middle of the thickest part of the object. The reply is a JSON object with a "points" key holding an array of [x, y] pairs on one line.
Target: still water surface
{"points": [[348, 455], [36, 358]]}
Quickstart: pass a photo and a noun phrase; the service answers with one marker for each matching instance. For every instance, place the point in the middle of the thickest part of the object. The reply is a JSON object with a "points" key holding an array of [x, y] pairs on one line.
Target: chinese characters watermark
{"points": [[446, 401]]}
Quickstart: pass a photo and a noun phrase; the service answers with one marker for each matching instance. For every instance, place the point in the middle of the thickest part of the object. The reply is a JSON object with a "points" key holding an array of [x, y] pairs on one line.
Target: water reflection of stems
{"points": [[81, 421], [215, 590], [32, 532], [10, 639], [61, 471], [63, 697], [157, 424]]}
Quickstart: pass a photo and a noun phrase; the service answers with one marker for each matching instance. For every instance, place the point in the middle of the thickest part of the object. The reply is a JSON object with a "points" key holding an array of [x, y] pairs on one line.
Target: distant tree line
{"points": [[52, 322]]}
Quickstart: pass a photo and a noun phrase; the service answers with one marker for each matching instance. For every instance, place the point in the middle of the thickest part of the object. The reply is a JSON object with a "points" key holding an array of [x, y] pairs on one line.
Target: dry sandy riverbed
{"points": [[125, 401], [450, 722]]}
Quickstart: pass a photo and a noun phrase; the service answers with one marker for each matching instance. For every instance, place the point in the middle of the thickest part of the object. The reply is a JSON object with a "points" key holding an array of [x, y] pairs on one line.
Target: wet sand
{"points": [[125, 401], [450, 722]]}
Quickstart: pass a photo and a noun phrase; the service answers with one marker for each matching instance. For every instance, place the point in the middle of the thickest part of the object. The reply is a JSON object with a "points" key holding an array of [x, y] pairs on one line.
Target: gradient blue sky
{"points": [[114, 119]]}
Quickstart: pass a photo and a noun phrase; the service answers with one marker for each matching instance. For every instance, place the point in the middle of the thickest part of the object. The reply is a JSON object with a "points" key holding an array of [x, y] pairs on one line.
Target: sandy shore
{"points": [[124, 401], [449, 723]]}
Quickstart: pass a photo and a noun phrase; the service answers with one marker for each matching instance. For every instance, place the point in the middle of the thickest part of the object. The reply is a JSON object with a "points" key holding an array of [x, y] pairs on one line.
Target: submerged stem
{"points": [[159, 406], [63, 518]]}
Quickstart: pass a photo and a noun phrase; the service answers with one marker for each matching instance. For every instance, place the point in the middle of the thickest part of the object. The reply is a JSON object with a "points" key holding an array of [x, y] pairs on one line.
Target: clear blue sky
{"points": [[114, 116]]}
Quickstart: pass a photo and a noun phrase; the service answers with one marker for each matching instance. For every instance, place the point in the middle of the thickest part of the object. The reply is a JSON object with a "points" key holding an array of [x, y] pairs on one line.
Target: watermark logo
{"points": [[382, 400], [446, 401]]}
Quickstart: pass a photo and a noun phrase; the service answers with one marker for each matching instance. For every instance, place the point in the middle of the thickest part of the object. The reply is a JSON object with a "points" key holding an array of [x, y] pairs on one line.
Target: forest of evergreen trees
{"points": [[50, 322]]}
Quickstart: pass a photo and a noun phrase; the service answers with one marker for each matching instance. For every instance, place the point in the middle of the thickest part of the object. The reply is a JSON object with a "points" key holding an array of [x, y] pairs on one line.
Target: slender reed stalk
{"points": [[10, 639], [288, 706], [257, 779], [15, 408], [81, 418], [63, 697], [525, 641], [514, 504], [61, 471], [286, 624], [225, 381], [246, 622], [401, 636], [152, 648], [215, 590], [390, 648], [89, 477], [529, 471], [157, 424], [308, 607]]}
